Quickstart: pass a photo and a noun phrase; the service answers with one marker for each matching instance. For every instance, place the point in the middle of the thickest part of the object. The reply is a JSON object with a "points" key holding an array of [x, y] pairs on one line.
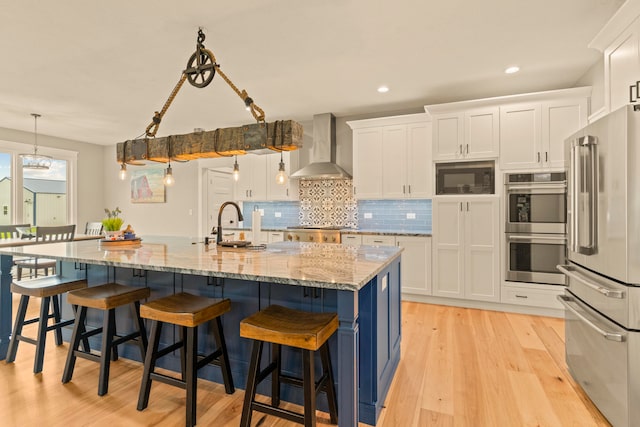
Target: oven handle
{"points": [[568, 270], [533, 239], [562, 186], [611, 336]]}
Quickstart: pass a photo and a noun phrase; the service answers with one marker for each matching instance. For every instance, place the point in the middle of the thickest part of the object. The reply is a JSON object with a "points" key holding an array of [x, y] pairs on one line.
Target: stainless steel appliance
{"points": [[603, 296], [536, 202], [465, 178], [535, 228], [313, 234], [534, 257]]}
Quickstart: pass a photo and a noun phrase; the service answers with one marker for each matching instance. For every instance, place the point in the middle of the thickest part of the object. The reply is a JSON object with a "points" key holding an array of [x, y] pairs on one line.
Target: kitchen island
{"points": [[360, 283]]}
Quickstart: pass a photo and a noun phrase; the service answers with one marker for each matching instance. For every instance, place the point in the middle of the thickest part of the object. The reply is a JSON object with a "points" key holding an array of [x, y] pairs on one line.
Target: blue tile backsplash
{"points": [[288, 211], [379, 215], [393, 215]]}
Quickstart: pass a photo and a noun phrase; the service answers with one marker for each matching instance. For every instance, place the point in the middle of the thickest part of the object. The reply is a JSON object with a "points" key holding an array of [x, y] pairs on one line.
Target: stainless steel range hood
{"points": [[323, 152]]}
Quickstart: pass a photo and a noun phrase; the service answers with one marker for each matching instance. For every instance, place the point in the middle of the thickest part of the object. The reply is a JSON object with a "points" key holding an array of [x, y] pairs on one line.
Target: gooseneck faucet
{"points": [[224, 205]]}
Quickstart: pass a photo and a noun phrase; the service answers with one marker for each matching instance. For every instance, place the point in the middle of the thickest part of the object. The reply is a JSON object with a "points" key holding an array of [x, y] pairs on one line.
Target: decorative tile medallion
{"points": [[328, 202]]}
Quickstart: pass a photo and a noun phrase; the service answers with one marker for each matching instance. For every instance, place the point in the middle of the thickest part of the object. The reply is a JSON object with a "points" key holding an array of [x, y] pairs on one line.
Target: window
{"points": [[37, 197], [5, 188]]}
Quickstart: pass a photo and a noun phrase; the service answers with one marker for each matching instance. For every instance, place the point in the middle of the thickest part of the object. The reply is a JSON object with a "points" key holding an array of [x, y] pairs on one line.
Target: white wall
{"points": [[90, 189], [594, 77], [178, 216]]}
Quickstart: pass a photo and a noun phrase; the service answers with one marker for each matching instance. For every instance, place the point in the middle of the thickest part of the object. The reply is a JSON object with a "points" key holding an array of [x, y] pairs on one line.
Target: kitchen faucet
{"points": [[224, 205]]}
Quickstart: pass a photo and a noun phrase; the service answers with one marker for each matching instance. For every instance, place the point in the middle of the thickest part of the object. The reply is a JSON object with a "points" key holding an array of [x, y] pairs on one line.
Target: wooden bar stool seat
{"points": [[187, 311], [294, 328], [107, 298], [49, 289]]}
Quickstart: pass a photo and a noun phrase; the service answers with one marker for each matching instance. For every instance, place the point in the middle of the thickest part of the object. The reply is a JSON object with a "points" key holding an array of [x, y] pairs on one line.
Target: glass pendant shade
{"points": [[236, 170], [168, 179], [281, 176], [35, 160], [123, 172]]}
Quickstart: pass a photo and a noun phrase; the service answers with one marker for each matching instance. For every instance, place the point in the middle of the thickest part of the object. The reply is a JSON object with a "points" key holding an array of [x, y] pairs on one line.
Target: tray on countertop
{"points": [[120, 242]]}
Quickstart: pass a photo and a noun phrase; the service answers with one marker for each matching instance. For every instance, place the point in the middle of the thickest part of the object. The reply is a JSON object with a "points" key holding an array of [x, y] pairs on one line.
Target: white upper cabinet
{"points": [[392, 157], [524, 131], [251, 184], [470, 134], [257, 180], [532, 134], [619, 41], [288, 190]]}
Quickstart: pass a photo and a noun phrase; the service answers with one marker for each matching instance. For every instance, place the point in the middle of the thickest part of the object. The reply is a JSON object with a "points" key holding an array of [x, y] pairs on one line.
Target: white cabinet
{"points": [[251, 184], [465, 248], [532, 134], [415, 268], [350, 239], [470, 134], [275, 236], [257, 180], [392, 157], [288, 190], [378, 240]]}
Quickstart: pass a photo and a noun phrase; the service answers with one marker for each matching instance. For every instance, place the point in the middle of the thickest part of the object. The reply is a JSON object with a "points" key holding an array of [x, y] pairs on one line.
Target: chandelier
{"points": [[35, 160]]}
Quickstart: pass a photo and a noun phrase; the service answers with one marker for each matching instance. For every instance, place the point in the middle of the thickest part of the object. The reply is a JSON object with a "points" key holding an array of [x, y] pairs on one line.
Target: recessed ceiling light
{"points": [[383, 89], [512, 70]]}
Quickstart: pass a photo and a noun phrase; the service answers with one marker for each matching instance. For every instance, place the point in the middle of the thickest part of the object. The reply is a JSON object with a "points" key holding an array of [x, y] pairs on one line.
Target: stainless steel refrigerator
{"points": [[602, 298]]}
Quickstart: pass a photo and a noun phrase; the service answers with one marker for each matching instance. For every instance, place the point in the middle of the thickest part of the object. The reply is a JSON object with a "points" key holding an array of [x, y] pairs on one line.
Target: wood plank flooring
{"points": [[459, 367]]}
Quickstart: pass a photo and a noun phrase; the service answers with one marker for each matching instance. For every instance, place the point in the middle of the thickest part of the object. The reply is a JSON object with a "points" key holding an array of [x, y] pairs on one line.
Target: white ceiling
{"points": [[97, 71]]}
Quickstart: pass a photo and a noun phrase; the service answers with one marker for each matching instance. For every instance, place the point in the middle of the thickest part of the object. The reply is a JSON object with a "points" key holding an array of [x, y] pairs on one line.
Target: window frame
{"points": [[14, 149]]}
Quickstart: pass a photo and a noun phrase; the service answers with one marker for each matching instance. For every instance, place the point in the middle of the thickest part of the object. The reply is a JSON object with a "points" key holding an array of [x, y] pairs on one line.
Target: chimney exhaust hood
{"points": [[323, 152]]}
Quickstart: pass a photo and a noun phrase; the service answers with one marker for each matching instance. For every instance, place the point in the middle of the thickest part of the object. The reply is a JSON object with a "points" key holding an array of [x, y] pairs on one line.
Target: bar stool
{"points": [[294, 328], [188, 311], [104, 297], [49, 290]]}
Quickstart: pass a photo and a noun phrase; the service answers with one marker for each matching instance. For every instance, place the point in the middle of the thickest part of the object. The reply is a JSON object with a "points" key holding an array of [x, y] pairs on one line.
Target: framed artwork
{"points": [[147, 186]]}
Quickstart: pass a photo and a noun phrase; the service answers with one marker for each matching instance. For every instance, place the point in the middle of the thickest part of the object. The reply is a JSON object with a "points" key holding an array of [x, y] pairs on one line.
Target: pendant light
{"points": [[123, 172], [35, 160], [236, 170], [168, 179], [281, 176]]}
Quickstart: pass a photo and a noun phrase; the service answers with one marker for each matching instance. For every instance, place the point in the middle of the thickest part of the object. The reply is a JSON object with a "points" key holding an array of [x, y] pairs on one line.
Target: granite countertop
{"points": [[332, 266]]}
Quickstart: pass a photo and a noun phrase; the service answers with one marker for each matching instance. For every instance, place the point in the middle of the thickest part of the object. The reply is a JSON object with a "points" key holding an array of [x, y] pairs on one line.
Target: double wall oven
{"points": [[535, 228]]}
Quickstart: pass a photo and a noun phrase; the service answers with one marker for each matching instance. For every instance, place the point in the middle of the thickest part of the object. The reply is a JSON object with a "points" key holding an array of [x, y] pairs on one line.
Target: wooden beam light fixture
{"points": [[259, 137]]}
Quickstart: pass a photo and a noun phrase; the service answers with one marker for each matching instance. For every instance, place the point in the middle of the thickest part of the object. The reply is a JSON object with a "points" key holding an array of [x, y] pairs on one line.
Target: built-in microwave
{"points": [[465, 178]]}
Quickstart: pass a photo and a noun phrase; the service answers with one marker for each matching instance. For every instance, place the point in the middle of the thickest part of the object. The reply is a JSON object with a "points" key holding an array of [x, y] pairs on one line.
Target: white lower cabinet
{"points": [[466, 251], [415, 267], [350, 239], [275, 236], [532, 294]]}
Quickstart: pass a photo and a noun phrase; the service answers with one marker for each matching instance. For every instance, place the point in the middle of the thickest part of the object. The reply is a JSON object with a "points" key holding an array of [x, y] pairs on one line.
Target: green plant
{"points": [[112, 222]]}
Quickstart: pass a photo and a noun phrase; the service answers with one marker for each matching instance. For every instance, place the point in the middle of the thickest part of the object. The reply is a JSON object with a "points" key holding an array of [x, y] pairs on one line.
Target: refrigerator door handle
{"points": [[611, 336], [585, 177], [568, 271]]}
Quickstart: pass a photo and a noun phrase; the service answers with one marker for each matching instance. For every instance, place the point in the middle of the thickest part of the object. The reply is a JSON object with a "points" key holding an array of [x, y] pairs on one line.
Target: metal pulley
{"points": [[201, 67]]}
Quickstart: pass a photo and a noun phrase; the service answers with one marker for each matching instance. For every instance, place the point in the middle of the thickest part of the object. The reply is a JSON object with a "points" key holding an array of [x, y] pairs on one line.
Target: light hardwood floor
{"points": [[459, 367]]}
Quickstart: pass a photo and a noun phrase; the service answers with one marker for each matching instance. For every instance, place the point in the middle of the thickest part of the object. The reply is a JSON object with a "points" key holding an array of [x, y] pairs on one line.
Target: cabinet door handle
{"points": [[460, 206], [467, 148], [461, 152], [403, 192], [538, 157], [467, 206], [287, 192], [546, 156], [409, 188]]}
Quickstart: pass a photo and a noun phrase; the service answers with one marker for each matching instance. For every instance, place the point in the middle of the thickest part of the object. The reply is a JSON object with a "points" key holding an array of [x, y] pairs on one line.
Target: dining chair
{"points": [[93, 228], [62, 233], [11, 231]]}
